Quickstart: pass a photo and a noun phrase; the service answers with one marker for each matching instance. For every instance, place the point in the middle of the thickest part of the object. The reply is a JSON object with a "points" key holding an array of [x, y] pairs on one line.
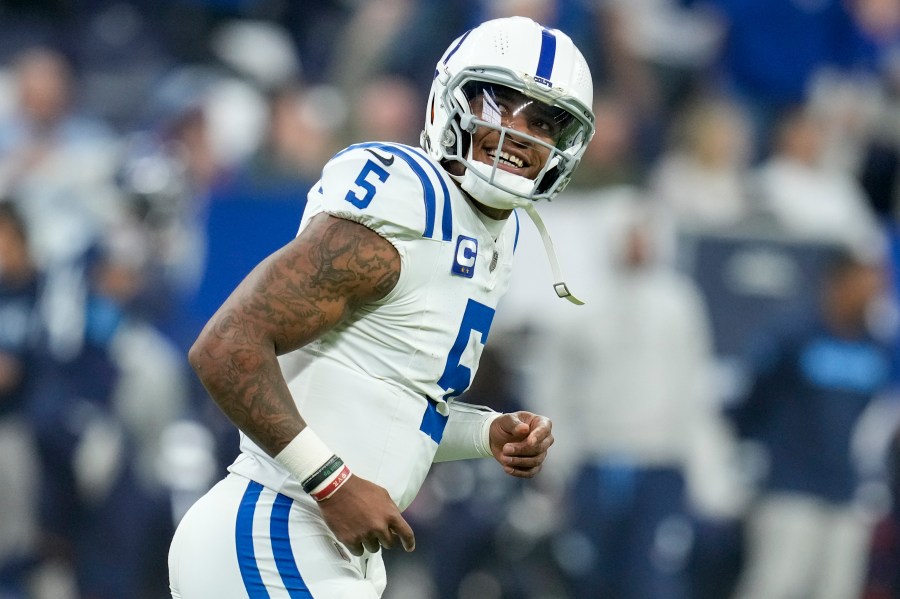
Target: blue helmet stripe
{"points": [[456, 47], [548, 54], [243, 534]]}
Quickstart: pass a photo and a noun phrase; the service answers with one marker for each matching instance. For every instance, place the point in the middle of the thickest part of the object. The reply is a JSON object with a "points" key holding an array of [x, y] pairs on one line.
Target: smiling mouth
{"points": [[506, 159]]}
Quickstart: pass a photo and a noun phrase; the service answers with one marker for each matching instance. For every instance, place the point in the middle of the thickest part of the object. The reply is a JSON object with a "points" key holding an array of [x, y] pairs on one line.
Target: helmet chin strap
{"points": [[559, 286], [489, 195]]}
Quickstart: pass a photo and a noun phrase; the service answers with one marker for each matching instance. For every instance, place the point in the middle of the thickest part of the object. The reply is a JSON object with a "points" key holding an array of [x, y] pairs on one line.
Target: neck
{"points": [[494, 213]]}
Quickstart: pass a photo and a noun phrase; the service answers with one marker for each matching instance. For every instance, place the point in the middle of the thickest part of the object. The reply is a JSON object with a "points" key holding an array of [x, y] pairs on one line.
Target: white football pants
{"points": [[244, 541]]}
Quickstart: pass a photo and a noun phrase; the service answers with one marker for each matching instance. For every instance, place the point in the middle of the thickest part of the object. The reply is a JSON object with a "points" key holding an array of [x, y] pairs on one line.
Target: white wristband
{"points": [[467, 434], [304, 455], [485, 448]]}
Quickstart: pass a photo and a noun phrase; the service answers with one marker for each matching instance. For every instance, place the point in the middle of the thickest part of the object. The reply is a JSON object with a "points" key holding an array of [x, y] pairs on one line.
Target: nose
{"points": [[517, 121], [516, 141]]}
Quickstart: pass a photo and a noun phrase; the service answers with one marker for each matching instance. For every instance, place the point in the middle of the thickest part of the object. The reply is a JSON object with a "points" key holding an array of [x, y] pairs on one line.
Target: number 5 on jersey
{"points": [[365, 182], [457, 377]]}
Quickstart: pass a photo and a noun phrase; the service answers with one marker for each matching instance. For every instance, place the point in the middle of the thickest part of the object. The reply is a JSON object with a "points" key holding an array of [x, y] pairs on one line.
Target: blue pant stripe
{"points": [[243, 537], [281, 548]]}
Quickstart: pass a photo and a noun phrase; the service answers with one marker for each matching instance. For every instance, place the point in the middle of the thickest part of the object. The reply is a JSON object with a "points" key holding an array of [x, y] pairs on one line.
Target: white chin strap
{"points": [[489, 195], [559, 286]]}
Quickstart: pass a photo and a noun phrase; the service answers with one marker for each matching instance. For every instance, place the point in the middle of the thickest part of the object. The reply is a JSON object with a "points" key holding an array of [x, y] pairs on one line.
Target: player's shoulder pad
{"points": [[394, 189]]}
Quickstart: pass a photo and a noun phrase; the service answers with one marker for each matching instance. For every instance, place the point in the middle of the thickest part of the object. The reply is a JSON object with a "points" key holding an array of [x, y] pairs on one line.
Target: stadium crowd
{"points": [[725, 406]]}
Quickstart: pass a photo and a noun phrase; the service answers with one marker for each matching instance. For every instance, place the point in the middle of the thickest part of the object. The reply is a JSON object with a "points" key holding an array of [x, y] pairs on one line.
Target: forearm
{"points": [[245, 381], [466, 435]]}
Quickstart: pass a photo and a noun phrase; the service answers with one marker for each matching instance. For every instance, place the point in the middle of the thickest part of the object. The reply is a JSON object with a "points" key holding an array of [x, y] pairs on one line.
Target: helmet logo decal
{"points": [[464, 259], [546, 58]]}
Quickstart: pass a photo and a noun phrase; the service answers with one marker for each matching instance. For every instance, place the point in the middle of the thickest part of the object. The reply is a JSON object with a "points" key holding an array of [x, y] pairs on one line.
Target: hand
{"points": [[364, 517], [519, 441]]}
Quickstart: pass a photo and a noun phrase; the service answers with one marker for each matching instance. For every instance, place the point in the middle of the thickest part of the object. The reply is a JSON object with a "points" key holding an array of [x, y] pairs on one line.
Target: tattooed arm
{"points": [[287, 301]]}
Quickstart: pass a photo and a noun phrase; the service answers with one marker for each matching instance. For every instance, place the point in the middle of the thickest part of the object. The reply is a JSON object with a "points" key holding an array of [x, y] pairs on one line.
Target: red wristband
{"points": [[326, 491]]}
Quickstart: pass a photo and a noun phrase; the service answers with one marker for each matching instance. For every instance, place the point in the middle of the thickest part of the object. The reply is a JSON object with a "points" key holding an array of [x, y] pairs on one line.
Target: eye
{"points": [[542, 125], [544, 128]]}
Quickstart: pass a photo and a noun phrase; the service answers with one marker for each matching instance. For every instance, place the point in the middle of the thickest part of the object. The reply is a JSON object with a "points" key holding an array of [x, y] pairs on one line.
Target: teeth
{"points": [[509, 159]]}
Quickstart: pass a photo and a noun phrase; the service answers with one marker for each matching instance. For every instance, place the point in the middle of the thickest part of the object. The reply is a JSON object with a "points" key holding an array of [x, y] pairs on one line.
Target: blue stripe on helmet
{"points": [[281, 549], [243, 536], [548, 54], [456, 47]]}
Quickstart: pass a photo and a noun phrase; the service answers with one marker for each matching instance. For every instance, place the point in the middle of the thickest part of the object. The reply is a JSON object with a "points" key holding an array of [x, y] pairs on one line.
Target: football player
{"points": [[340, 356]]}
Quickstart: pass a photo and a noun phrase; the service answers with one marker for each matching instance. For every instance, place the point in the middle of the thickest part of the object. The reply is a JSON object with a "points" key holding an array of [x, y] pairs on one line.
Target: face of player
{"points": [[504, 107]]}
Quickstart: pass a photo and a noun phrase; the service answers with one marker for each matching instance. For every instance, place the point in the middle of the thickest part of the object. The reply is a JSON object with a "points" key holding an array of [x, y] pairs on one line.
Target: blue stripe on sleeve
{"points": [[427, 186], [516, 240], [281, 548], [548, 54], [433, 422], [243, 536], [447, 216]]}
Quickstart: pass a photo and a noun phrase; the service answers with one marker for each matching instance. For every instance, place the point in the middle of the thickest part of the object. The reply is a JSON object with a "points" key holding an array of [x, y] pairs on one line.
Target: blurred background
{"points": [[725, 405]]}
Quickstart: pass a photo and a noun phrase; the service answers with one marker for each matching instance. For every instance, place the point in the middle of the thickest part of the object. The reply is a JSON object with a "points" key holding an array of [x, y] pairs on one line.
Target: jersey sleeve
{"points": [[386, 187]]}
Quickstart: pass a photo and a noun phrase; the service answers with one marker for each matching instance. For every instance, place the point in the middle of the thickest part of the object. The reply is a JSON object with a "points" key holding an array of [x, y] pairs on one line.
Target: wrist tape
{"points": [[467, 434], [318, 469]]}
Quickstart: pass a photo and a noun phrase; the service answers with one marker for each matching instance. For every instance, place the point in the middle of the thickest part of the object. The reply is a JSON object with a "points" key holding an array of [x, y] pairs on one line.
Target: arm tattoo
{"points": [[289, 300]]}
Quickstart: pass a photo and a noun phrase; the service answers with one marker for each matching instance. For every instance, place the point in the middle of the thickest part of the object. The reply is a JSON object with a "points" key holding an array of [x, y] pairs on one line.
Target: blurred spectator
{"points": [[773, 49], [611, 157], [702, 178], [811, 378], [809, 199], [299, 139], [387, 108], [19, 467], [634, 405], [658, 51], [102, 398], [883, 576], [425, 33], [369, 36], [57, 162]]}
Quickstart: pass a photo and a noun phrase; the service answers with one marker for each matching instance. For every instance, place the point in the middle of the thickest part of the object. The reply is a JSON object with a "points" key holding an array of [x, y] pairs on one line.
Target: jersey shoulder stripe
{"points": [[447, 216], [516, 238], [415, 162]]}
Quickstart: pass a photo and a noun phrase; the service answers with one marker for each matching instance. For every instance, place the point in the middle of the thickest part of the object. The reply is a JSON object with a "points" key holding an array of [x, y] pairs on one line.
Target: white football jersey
{"points": [[376, 387]]}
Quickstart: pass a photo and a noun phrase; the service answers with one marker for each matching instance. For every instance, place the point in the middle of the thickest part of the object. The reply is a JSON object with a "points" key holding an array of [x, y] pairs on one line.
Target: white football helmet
{"points": [[545, 72]]}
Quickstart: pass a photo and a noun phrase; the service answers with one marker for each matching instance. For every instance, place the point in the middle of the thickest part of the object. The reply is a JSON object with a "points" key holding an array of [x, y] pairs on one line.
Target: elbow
{"points": [[200, 355]]}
